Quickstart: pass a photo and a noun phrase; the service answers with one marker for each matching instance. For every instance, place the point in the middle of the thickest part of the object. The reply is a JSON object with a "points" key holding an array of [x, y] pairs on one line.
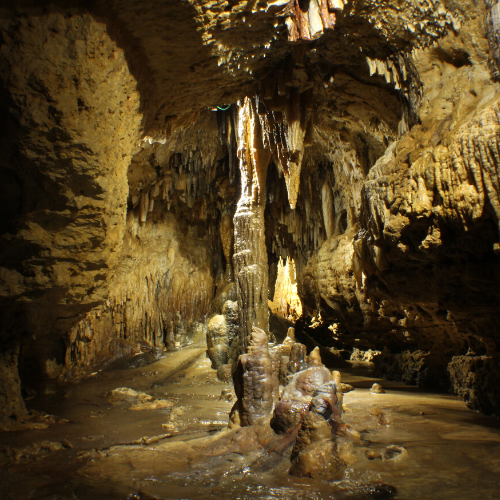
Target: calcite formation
{"points": [[160, 158], [217, 341], [286, 301], [250, 255], [253, 382], [271, 127], [310, 408]]}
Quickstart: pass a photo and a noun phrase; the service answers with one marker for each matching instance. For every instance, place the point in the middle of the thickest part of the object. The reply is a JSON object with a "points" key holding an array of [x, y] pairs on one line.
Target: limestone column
{"points": [[250, 253]]}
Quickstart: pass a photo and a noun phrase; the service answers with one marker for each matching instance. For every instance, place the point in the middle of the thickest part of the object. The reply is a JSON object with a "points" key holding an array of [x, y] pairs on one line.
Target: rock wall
{"points": [[13, 411], [428, 244], [71, 120], [419, 268], [163, 283], [475, 379]]}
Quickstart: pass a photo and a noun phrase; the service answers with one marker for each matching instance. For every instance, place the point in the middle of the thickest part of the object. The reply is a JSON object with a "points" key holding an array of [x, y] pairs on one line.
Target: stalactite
{"points": [[310, 23], [291, 233], [287, 119], [143, 207], [399, 71]]}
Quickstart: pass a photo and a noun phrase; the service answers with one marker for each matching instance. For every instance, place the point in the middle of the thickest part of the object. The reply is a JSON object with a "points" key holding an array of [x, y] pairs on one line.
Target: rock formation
{"points": [[175, 284], [253, 382], [13, 408], [310, 408], [160, 158], [250, 255]]}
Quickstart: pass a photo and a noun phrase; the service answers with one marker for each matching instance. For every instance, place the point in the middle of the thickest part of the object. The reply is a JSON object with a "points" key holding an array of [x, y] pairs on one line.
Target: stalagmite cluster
{"points": [[304, 398]]}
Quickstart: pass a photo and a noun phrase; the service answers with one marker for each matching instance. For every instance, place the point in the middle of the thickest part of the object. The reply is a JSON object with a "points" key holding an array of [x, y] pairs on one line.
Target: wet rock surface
{"points": [[473, 378], [253, 382], [105, 451]]}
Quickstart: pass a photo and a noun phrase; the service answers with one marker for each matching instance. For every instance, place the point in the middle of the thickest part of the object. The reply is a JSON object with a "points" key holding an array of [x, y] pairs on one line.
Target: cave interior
{"points": [[273, 226]]}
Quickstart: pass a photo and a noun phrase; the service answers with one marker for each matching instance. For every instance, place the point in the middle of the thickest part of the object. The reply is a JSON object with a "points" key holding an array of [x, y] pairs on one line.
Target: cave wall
{"points": [[70, 120], [171, 258], [163, 283], [418, 271], [70, 110]]}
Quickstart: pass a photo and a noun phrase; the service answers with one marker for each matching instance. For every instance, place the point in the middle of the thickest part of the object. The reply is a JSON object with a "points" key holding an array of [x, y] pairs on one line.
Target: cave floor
{"points": [[178, 445]]}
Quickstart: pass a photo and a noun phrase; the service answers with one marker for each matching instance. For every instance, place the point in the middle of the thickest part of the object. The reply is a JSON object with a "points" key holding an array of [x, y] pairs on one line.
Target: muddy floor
{"points": [[160, 432]]}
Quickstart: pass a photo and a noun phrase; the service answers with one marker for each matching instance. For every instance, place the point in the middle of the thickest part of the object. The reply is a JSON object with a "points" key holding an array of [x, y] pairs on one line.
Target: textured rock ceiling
{"points": [[118, 179]]}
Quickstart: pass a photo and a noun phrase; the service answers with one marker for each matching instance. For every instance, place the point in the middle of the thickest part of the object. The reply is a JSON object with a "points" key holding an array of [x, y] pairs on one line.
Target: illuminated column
{"points": [[250, 253]]}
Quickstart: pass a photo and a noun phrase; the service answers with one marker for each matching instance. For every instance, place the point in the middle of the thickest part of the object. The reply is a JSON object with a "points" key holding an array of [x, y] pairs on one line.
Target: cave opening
{"points": [[249, 249]]}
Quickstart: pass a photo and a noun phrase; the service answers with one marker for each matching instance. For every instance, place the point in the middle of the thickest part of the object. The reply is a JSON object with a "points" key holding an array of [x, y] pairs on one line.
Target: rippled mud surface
{"points": [[169, 440]]}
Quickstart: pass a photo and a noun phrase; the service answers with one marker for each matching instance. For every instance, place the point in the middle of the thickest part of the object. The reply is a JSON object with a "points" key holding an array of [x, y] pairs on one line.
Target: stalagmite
{"points": [[250, 253], [253, 382], [217, 341], [311, 406], [170, 337]]}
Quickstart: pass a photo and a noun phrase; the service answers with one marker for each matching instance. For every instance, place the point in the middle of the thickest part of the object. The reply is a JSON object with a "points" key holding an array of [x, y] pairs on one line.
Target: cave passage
{"points": [[249, 249]]}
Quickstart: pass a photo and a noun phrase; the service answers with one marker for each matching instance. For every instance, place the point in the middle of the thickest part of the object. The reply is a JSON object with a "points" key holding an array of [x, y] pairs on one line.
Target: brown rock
{"points": [[288, 414], [377, 389], [253, 381], [225, 373], [12, 408], [317, 460], [305, 382], [473, 377]]}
